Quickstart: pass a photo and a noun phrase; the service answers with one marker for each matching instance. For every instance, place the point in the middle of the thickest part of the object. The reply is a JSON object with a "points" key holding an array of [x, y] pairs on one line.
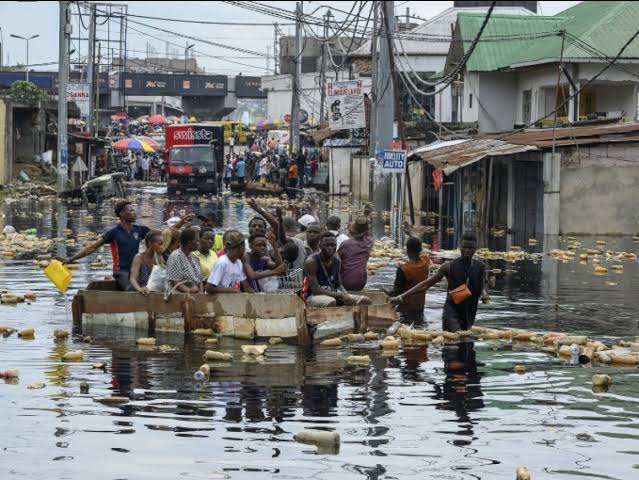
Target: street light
{"points": [[26, 39], [186, 53]]}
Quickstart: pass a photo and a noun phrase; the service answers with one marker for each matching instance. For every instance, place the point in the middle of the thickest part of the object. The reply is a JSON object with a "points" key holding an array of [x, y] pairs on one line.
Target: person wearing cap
{"points": [[322, 279], [355, 253], [227, 275], [304, 221], [333, 225]]}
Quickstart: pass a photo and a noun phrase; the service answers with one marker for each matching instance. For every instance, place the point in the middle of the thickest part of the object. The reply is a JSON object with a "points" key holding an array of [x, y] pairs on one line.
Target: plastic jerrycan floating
{"points": [[59, 275]]}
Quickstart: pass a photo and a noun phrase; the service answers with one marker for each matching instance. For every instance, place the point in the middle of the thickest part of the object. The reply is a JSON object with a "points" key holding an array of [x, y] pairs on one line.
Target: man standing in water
{"points": [[466, 285], [124, 238]]}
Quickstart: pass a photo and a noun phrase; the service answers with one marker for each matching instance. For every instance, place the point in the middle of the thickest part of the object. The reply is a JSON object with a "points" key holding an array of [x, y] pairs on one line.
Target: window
{"points": [[526, 106], [470, 101]]}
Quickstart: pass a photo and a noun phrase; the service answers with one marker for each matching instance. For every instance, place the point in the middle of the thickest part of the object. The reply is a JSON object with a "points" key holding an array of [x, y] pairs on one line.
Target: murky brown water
{"points": [[417, 415]]}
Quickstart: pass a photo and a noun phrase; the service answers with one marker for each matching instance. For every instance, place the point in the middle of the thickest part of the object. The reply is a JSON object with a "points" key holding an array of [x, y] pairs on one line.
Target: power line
{"points": [[206, 22]]}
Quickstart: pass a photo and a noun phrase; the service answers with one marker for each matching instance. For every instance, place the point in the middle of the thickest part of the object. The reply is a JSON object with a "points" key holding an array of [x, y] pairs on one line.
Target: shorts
{"points": [[414, 317], [453, 322], [123, 279]]}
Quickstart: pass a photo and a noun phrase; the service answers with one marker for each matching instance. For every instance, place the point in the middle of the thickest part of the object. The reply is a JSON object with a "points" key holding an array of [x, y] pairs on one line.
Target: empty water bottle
{"points": [[198, 376]]}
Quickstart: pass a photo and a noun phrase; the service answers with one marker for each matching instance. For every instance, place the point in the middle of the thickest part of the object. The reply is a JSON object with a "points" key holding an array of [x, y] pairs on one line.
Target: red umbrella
{"points": [[119, 116], [157, 119]]}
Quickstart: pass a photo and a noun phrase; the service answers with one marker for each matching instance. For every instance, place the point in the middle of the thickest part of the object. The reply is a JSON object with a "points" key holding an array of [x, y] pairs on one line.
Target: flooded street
{"points": [[429, 412]]}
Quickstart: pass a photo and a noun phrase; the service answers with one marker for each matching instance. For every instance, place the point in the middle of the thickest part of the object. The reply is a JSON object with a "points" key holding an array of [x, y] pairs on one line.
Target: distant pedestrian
{"points": [[301, 168], [240, 171], [146, 165]]}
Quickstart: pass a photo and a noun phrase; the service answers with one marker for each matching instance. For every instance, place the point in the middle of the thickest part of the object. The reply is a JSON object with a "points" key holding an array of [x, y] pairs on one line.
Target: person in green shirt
{"points": [[206, 253]]}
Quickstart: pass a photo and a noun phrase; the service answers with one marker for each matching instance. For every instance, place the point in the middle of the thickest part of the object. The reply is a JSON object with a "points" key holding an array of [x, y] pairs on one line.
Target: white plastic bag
{"points": [[269, 284], [157, 279]]}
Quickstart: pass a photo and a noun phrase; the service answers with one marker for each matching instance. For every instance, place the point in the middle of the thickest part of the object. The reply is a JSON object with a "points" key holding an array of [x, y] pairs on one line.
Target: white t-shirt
{"points": [[227, 274], [339, 237]]}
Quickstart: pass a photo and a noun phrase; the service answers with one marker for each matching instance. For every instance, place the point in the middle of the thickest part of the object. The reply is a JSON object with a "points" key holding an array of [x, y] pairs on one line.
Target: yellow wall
{"points": [[3, 142]]}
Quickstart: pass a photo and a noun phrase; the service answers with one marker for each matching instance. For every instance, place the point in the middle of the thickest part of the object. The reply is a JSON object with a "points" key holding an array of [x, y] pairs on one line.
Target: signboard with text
{"points": [[175, 85], [346, 105], [394, 161], [80, 93], [249, 87]]}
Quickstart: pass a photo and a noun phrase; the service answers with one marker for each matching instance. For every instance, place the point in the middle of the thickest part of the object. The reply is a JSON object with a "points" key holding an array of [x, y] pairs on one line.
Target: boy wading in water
{"points": [[466, 285]]}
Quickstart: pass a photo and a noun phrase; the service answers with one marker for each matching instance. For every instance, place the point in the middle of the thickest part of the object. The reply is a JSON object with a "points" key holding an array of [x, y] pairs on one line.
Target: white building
{"points": [[513, 81]]}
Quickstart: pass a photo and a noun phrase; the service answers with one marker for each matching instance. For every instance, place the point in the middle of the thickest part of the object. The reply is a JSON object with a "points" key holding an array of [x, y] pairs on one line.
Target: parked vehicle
{"points": [[194, 155]]}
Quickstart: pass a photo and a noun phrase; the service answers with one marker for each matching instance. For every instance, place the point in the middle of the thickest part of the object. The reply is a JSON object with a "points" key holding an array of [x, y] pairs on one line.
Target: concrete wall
{"points": [[599, 188], [498, 102], [622, 98]]}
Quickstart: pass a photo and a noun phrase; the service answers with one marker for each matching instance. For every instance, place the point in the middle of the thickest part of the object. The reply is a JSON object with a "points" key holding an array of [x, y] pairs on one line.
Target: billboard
{"points": [[249, 87], [174, 85], [346, 105], [80, 93]]}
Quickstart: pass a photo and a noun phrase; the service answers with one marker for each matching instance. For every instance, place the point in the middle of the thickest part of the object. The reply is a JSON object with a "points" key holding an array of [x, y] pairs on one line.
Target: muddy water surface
{"points": [[426, 413]]}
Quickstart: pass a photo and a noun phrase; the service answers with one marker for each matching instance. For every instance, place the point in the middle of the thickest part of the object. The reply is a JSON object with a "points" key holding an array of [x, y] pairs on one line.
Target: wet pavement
{"points": [[429, 412]]}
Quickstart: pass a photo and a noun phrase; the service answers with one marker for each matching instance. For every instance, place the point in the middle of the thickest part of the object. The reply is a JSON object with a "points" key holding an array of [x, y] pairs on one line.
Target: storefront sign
{"points": [[80, 93], [346, 105], [394, 161]]}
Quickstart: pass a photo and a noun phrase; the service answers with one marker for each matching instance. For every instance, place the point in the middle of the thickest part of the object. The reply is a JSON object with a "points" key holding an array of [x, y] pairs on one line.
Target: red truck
{"points": [[194, 156]]}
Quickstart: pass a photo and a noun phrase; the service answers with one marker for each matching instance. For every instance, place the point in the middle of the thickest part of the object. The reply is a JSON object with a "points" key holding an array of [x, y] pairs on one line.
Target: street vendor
{"points": [[322, 280], [466, 286], [124, 239]]}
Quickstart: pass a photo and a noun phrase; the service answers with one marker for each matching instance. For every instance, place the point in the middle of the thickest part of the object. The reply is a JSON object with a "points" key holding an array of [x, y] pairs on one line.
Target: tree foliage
{"points": [[24, 90]]}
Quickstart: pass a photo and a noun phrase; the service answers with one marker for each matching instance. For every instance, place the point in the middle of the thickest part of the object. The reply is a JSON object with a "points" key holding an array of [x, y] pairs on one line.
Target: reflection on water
{"points": [[453, 412]]}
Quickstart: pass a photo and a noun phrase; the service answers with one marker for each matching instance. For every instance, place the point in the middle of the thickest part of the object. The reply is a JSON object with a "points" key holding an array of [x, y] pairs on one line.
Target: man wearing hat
{"points": [[227, 275], [355, 253]]}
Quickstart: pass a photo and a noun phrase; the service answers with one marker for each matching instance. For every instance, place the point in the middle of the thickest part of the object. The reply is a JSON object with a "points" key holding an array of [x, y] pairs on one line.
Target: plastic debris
{"points": [[275, 341], [73, 356], [220, 356], [146, 341], [254, 349], [203, 331], [332, 342], [359, 359], [27, 333], [522, 473], [112, 400], [36, 386]]}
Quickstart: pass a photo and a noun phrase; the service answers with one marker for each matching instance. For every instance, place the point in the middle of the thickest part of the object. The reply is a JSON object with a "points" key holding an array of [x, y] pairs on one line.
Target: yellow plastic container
{"points": [[59, 275]]}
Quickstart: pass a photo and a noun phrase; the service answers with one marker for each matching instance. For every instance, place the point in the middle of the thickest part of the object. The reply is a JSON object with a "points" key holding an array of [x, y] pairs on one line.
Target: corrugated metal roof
{"points": [[626, 132], [455, 154], [606, 26]]}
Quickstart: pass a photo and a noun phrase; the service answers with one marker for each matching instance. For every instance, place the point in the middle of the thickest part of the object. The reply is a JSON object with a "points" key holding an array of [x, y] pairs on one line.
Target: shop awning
{"points": [[454, 154]]}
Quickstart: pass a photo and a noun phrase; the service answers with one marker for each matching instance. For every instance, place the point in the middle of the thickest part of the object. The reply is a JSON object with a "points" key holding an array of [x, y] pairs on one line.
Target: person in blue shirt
{"points": [[124, 239], [240, 170]]}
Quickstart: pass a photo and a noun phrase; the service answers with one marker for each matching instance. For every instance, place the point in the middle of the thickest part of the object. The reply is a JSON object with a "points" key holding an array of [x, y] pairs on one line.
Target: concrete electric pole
{"points": [[325, 47], [385, 104], [294, 140], [94, 84], [63, 80]]}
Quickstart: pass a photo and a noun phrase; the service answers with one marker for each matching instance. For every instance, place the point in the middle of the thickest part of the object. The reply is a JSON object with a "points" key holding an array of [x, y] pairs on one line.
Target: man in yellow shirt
{"points": [[206, 254]]}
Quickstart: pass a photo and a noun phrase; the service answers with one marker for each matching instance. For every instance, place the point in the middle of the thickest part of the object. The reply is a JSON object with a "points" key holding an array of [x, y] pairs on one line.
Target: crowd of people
{"points": [[190, 256]]}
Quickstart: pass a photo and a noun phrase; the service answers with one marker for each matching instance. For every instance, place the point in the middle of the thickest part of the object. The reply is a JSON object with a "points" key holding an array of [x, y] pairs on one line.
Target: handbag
{"points": [[157, 278], [462, 292]]}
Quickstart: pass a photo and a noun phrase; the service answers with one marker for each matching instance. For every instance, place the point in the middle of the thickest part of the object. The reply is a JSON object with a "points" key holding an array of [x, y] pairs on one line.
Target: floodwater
{"points": [[420, 414]]}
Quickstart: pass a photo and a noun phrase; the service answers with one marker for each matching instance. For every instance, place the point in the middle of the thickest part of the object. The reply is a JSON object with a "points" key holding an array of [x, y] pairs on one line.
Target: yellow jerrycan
{"points": [[59, 275]]}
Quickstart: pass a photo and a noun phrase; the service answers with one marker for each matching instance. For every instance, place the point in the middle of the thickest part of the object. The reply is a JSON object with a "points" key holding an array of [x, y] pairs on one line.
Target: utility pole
{"points": [[275, 49], [325, 48], [294, 140], [385, 105], [63, 79], [372, 138], [96, 94], [91, 77]]}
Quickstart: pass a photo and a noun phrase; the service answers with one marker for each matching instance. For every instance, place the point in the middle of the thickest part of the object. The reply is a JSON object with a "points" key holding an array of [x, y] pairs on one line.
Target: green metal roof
{"points": [[511, 40]]}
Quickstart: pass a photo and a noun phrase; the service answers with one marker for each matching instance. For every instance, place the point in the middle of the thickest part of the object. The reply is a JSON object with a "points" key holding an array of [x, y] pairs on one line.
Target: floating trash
{"points": [[332, 342], [203, 331], [146, 341], [220, 356], [359, 359], [36, 386], [112, 400], [522, 473], [254, 349], [75, 355]]}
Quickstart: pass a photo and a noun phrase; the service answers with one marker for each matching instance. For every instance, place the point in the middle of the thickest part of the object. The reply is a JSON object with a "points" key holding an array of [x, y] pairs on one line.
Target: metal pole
{"points": [[1, 46], [294, 140], [323, 67], [91, 68], [63, 79], [385, 111], [27, 59], [561, 62]]}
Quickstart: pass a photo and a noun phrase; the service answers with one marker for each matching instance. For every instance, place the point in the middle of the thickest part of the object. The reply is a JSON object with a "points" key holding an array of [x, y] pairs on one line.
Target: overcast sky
{"points": [[30, 18]]}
